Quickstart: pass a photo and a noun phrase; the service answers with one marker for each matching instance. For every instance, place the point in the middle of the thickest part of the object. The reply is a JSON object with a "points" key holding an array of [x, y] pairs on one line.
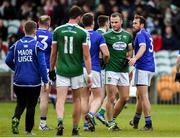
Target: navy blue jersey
{"points": [[45, 38], [96, 41], [26, 57], [146, 62]]}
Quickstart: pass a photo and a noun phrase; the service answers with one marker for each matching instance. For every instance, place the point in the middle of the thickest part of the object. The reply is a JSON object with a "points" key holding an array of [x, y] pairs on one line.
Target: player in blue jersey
{"points": [[44, 37], [144, 71], [97, 44], [26, 58], [178, 68]]}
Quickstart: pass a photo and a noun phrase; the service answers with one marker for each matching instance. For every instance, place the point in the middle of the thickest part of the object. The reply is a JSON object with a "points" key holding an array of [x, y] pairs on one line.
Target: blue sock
{"points": [[85, 124], [91, 114], [137, 117], [148, 121]]}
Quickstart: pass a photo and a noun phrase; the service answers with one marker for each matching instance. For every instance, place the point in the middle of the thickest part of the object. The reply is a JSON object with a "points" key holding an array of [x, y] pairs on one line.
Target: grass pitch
{"points": [[166, 122]]}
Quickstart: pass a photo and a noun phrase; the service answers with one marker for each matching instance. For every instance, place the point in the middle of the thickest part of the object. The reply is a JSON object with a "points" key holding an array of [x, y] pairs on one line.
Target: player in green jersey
{"points": [[70, 46], [120, 47]]}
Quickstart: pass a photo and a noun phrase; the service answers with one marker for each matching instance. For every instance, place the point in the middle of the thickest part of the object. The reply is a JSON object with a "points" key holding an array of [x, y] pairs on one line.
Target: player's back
{"points": [[146, 62], [26, 61], [96, 41], [45, 38], [70, 39]]}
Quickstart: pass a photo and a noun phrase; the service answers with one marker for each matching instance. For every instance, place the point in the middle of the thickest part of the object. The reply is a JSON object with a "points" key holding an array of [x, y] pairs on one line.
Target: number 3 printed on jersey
{"points": [[68, 44], [43, 41], [151, 44]]}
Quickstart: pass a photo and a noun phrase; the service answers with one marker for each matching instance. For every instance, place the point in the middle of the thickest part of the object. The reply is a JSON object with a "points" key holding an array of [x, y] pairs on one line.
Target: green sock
{"points": [[60, 121], [102, 111]]}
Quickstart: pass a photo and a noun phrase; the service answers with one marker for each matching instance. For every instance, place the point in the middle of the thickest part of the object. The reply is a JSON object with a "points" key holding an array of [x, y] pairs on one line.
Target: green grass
{"points": [[166, 122]]}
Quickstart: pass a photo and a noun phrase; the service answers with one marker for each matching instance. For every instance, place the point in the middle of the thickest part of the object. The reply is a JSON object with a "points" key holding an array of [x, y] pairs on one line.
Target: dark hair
{"points": [[74, 12], [115, 14], [102, 19], [30, 27], [44, 19], [142, 20], [87, 19]]}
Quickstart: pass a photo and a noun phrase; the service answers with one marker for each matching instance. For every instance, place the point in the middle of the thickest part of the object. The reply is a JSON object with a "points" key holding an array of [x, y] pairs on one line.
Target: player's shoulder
{"points": [[126, 32], [109, 32], [96, 33], [81, 29], [142, 32], [60, 27]]}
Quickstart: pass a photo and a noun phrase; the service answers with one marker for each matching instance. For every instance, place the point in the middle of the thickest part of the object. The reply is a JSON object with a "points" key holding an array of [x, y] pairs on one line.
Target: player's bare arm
{"points": [[53, 56], [130, 51], [139, 54], [178, 64], [87, 61], [105, 52]]}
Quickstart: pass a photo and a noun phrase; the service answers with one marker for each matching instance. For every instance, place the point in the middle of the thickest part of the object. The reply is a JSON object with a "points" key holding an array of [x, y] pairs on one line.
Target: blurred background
{"points": [[162, 18]]}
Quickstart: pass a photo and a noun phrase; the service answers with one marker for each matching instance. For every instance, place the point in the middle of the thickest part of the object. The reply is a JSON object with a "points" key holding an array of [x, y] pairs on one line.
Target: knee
{"points": [[125, 99], [111, 98]]}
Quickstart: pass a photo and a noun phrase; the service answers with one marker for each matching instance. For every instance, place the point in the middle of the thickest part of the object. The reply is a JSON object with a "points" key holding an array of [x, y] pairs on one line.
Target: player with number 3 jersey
{"points": [[44, 36], [144, 71]]}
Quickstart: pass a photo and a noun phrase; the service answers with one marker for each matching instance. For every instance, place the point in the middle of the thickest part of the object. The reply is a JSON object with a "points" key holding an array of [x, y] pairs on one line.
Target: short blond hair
{"points": [[44, 19]]}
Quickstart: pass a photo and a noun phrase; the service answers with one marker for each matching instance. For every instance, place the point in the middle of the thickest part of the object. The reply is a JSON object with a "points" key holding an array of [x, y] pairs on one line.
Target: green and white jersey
{"points": [[70, 38], [117, 43], [101, 30]]}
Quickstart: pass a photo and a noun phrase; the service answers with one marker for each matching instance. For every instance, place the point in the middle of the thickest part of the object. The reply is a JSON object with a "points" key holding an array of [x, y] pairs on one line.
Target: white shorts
{"points": [[73, 82], [117, 78], [142, 77], [103, 77], [96, 79]]}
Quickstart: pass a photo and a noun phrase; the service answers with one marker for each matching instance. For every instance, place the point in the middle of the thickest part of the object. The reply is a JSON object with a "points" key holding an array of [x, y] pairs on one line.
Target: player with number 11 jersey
{"points": [[70, 38]]}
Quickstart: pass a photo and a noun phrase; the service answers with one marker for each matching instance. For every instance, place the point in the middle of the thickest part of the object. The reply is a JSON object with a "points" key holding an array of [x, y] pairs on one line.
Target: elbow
{"points": [[7, 62]]}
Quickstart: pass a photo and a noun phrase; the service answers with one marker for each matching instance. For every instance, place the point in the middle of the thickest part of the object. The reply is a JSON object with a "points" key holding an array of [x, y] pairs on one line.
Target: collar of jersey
{"points": [[89, 29], [41, 29], [117, 31], [29, 38], [101, 29], [72, 24]]}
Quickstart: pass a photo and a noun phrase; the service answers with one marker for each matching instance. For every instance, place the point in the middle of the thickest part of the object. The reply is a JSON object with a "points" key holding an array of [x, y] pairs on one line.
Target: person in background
{"points": [[3, 50], [177, 78], [26, 58], [157, 39]]}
